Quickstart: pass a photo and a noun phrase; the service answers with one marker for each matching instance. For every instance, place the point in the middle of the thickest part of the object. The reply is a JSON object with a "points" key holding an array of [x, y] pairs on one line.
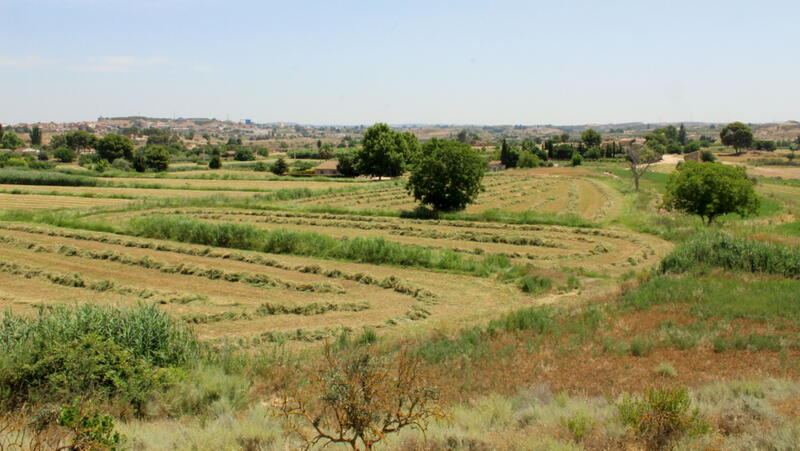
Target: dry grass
{"points": [[231, 184], [127, 192], [45, 202]]}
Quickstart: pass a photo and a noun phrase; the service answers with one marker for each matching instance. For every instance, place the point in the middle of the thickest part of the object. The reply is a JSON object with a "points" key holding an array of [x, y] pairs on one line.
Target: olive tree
{"points": [[710, 190], [448, 175], [737, 135]]}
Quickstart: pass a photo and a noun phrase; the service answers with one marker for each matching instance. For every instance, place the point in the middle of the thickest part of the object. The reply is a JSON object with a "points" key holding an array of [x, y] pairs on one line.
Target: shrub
{"points": [[243, 154], [90, 351], [666, 369], [215, 162], [122, 164], [261, 167], [528, 159], [279, 167], [534, 284], [708, 156], [358, 398], [88, 159], [577, 159], [91, 429], [592, 154], [661, 417]]}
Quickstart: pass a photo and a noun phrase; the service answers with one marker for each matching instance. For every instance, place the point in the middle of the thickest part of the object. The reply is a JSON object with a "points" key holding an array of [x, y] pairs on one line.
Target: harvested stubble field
{"points": [[584, 196], [246, 297], [44, 202], [261, 185], [606, 251], [139, 193]]}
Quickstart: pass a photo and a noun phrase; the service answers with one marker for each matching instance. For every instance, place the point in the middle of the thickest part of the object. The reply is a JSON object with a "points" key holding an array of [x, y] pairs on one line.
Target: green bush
{"points": [[661, 417], [64, 154], [577, 159], [91, 429], [716, 249], [90, 351], [122, 164]]}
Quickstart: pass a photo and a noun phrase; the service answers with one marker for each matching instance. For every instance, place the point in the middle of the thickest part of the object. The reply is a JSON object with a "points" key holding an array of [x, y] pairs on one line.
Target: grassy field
{"points": [[556, 300]]}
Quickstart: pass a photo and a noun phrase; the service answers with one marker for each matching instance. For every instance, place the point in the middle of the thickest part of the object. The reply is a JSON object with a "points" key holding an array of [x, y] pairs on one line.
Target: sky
{"points": [[433, 62]]}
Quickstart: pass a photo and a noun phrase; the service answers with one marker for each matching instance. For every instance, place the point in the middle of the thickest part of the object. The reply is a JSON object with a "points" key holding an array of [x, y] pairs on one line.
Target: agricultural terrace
{"points": [[601, 251], [253, 297], [586, 197]]}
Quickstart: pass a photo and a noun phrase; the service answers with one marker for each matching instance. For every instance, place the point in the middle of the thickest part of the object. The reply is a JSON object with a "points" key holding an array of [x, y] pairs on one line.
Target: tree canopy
{"points": [[737, 135], [155, 157], [11, 141], [113, 146], [385, 152], [448, 175], [591, 138], [80, 139], [710, 190]]}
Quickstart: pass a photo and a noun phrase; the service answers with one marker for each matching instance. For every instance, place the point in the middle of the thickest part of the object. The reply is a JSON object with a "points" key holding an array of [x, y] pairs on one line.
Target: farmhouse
{"points": [[495, 165], [327, 167]]}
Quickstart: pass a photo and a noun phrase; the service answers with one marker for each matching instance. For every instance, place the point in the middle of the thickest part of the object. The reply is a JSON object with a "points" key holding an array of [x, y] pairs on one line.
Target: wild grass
{"points": [[144, 331], [721, 295], [719, 250]]}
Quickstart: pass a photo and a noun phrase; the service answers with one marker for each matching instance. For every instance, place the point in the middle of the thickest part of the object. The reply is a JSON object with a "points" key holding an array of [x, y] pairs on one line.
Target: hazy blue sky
{"points": [[352, 62]]}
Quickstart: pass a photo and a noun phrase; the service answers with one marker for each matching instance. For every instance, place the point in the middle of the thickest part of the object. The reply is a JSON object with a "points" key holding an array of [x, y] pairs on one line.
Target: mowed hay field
{"points": [[583, 196], [605, 251], [139, 193], [256, 297], [247, 297], [211, 184], [45, 202]]}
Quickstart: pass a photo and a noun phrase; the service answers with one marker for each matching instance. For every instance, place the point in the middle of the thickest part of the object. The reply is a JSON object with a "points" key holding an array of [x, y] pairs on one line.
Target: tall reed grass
{"points": [[719, 250]]}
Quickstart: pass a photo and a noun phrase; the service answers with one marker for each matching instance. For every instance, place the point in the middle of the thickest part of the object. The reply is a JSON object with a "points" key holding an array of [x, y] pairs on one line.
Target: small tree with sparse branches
{"points": [[640, 158], [359, 398]]}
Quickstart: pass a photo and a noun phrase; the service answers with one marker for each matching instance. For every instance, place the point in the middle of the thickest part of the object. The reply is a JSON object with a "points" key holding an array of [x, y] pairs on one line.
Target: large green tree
{"points": [[591, 138], [113, 146], [385, 152], [737, 135], [448, 175], [710, 190]]}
